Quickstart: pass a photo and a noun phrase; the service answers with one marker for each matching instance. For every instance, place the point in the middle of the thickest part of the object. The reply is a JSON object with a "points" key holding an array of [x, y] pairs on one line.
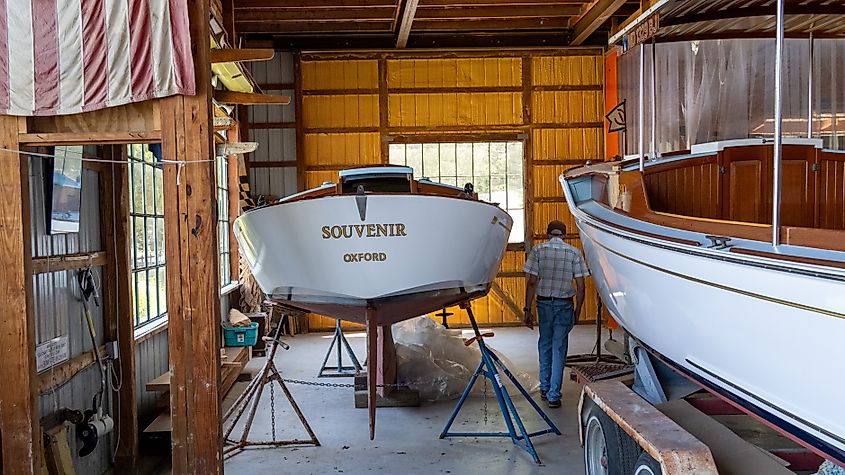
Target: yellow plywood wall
{"points": [[351, 105]]}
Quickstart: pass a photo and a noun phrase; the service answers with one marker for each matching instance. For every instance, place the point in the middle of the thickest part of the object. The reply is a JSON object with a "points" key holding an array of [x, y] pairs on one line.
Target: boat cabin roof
{"points": [[376, 172]]}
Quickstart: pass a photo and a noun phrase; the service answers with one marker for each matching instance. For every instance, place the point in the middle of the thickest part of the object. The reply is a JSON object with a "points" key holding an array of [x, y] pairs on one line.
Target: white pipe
{"points": [[778, 117], [653, 153], [641, 118], [810, 90]]}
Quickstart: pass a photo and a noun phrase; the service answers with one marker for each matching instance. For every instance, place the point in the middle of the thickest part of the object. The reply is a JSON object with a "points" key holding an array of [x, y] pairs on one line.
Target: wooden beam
{"points": [[312, 5], [274, 164], [309, 26], [595, 16], [493, 24], [408, 9], [528, 150], [89, 138], [19, 427], [506, 299], [192, 256], [231, 55], [275, 125], [283, 14], [65, 262], [233, 181], [510, 3], [118, 305], [228, 12], [250, 98], [426, 12], [64, 372], [298, 118]]}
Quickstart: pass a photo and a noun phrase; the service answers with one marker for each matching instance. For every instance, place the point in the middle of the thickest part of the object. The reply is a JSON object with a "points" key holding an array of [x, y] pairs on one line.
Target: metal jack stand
{"points": [[339, 370], [488, 368], [251, 399]]}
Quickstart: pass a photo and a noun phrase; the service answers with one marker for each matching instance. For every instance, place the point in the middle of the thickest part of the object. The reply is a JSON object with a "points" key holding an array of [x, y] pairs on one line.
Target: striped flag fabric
{"points": [[71, 56]]}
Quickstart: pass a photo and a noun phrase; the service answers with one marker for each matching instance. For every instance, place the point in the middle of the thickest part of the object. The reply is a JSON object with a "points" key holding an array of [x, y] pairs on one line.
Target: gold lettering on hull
{"points": [[348, 231], [365, 257]]}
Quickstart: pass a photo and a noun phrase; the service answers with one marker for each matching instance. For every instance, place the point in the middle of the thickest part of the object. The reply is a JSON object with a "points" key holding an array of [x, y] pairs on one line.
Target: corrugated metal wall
{"points": [[58, 309], [353, 104], [274, 128], [151, 361]]}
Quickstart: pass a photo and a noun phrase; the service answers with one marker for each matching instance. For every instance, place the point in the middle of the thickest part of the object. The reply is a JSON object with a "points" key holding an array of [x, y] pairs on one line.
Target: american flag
{"points": [[71, 56]]}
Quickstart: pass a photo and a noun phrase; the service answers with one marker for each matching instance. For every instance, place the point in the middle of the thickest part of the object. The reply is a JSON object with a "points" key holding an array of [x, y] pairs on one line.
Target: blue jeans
{"points": [[557, 317]]}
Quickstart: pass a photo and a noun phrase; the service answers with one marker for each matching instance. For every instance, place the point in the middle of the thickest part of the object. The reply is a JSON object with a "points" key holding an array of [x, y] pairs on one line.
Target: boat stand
{"points": [[250, 399], [489, 368], [340, 370]]}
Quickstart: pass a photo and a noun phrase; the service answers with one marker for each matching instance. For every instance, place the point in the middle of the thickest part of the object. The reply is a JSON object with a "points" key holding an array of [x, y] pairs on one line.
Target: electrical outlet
{"points": [[112, 350]]}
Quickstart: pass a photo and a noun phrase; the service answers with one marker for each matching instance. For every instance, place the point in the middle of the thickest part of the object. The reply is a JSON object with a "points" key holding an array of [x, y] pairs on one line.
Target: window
{"points": [[223, 242], [146, 214], [494, 169]]}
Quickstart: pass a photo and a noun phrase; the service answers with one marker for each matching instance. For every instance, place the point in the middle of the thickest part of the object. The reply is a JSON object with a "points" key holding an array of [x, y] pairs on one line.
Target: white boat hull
{"points": [[754, 330], [412, 254]]}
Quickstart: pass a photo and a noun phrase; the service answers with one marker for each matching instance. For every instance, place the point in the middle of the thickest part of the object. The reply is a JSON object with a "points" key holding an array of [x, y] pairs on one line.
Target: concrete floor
{"points": [[407, 438]]}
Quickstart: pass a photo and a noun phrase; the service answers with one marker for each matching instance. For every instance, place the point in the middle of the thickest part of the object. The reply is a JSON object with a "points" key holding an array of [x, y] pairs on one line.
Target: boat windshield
{"points": [[377, 184]]}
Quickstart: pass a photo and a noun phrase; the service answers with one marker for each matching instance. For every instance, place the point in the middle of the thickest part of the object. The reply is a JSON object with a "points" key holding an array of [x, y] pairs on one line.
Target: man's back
{"points": [[556, 264]]}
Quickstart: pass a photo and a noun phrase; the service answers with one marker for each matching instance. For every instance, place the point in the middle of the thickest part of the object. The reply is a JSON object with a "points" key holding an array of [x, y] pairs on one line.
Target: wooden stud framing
{"points": [[192, 262], [21, 433], [383, 111], [65, 262], [300, 127], [118, 307], [528, 159], [234, 205]]}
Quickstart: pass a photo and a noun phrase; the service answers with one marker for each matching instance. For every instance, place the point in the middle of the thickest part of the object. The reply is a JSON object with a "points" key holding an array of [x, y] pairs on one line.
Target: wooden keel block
{"points": [[372, 368]]}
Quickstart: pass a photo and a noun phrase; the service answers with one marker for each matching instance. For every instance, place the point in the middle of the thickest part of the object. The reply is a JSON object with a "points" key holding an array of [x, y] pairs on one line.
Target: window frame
{"points": [[152, 174], [478, 139]]}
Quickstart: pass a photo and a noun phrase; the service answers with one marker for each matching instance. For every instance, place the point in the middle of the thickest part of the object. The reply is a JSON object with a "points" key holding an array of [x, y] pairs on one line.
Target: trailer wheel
{"points": [[646, 465], [608, 450]]}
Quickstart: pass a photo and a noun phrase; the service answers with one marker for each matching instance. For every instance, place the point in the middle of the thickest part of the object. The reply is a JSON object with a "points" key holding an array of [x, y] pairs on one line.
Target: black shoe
{"points": [[554, 404], [543, 395]]}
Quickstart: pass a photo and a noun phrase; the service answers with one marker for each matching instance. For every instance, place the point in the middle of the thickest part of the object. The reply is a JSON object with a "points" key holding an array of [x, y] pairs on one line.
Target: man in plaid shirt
{"points": [[550, 269]]}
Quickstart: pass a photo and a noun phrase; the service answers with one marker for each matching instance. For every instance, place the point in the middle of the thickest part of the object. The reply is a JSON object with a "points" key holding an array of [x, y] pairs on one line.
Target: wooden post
{"points": [[299, 115], [528, 150], [21, 433], [118, 307], [193, 301]]}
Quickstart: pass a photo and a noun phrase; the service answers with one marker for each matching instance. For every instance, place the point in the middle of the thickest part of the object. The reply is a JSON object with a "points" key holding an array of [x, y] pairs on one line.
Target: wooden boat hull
{"points": [[762, 331], [409, 255]]}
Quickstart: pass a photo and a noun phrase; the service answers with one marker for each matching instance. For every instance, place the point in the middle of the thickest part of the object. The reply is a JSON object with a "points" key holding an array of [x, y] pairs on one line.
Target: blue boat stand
{"points": [[340, 370], [489, 368]]}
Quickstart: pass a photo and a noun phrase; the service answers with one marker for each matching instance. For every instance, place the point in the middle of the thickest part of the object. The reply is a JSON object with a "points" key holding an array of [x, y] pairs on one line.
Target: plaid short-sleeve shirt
{"points": [[556, 264]]}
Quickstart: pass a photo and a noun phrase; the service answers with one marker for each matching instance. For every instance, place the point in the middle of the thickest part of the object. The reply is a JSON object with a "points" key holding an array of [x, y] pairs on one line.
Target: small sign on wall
{"points": [[51, 352]]}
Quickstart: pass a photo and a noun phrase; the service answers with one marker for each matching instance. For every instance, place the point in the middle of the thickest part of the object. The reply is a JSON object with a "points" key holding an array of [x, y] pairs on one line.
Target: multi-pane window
{"points": [[494, 169], [224, 244], [146, 215]]}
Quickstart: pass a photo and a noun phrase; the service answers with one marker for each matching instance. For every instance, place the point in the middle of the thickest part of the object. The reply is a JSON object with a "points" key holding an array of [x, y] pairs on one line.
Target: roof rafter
{"points": [[593, 17], [407, 9]]}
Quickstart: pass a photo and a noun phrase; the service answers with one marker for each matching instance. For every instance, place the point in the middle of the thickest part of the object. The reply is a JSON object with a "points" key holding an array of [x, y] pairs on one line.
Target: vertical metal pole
{"points": [[641, 115], [778, 139], [653, 153], [810, 89]]}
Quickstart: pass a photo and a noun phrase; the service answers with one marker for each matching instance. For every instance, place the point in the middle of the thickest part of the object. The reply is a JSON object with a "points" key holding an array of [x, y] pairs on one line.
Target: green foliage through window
{"points": [[146, 216]]}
